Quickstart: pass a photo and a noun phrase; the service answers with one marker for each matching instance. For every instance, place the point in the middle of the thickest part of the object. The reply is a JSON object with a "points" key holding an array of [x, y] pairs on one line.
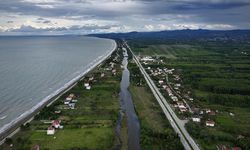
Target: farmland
{"points": [[216, 74]]}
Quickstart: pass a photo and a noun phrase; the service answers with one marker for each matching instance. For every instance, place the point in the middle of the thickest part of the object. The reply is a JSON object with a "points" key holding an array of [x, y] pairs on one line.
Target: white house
{"points": [[174, 98], [86, 84], [66, 102], [160, 81], [68, 98], [210, 123], [50, 131], [102, 75], [196, 119], [207, 111], [147, 58], [74, 100]]}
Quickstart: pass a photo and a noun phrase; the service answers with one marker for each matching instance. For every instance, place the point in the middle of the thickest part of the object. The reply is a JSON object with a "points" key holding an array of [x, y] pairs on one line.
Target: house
{"points": [[68, 98], [183, 109], [74, 100], [91, 78], [196, 119], [114, 71], [57, 111], [201, 112], [231, 114], [102, 75], [71, 95], [178, 85], [160, 81], [174, 98], [191, 99], [181, 104], [164, 86], [147, 58], [207, 111], [50, 131], [71, 105], [55, 124], [66, 102], [210, 123], [86, 84]]}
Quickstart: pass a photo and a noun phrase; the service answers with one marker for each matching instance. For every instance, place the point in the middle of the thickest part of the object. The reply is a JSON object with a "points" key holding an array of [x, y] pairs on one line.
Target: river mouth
{"points": [[127, 107]]}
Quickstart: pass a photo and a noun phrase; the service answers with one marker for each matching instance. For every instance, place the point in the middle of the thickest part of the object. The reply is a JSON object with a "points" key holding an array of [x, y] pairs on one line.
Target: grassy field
{"points": [[91, 125], [218, 76], [156, 132]]}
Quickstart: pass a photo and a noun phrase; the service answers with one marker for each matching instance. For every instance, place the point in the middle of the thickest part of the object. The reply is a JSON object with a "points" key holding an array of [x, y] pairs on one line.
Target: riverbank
{"points": [[14, 125]]}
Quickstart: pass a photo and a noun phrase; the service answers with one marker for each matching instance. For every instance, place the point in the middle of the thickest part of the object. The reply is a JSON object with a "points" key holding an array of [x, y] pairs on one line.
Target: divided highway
{"points": [[176, 123]]}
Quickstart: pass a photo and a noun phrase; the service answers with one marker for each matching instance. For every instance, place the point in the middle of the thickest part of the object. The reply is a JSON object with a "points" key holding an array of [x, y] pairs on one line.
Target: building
{"points": [[175, 99], [50, 131], [66, 102], [196, 119], [86, 84], [147, 58], [91, 78], [88, 87], [161, 81], [164, 86], [68, 98], [210, 123], [102, 75], [55, 124], [72, 105]]}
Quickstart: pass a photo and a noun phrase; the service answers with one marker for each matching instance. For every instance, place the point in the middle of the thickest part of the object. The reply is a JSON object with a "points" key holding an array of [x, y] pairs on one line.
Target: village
{"points": [[169, 82], [71, 100]]}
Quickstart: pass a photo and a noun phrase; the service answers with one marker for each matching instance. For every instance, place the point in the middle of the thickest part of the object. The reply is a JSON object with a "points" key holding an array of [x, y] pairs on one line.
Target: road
{"points": [[176, 123]]}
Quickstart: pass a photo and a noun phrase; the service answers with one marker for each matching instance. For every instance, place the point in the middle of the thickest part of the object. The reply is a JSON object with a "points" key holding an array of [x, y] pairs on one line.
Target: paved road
{"points": [[177, 124]]}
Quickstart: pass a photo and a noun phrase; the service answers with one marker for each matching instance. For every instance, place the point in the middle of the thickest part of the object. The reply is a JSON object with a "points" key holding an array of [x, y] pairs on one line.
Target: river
{"points": [[128, 107]]}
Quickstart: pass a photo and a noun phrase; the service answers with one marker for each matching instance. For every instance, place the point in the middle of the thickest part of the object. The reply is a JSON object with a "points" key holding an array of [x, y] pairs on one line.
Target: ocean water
{"points": [[33, 69]]}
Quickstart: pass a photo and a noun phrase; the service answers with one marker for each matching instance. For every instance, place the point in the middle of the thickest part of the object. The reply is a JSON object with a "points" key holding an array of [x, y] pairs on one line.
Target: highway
{"points": [[176, 123]]}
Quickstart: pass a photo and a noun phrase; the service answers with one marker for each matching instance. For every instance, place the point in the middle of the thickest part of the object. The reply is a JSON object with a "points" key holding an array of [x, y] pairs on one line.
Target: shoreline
{"points": [[10, 128]]}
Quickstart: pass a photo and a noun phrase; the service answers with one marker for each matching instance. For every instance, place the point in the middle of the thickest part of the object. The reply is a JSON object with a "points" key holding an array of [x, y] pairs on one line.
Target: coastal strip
{"points": [[10, 128]]}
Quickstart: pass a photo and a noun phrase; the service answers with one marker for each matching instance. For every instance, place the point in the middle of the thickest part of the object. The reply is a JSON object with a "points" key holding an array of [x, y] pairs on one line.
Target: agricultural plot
{"points": [[217, 74]]}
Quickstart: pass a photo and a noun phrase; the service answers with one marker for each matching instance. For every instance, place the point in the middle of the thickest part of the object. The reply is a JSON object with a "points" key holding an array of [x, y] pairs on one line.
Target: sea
{"points": [[33, 69]]}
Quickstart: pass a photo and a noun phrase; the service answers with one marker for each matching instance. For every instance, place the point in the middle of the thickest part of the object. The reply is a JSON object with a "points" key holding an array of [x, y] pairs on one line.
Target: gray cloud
{"points": [[132, 14]]}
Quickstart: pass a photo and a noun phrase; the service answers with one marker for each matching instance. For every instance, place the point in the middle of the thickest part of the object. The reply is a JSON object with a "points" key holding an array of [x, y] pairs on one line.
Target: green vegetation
{"points": [[217, 73], [91, 125], [156, 132]]}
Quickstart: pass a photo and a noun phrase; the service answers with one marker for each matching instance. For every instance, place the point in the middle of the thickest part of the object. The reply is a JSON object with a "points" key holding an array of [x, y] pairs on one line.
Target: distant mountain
{"points": [[243, 35]]}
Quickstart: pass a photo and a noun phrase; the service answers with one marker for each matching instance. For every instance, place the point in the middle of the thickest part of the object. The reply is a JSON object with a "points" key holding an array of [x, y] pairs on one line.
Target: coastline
{"points": [[10, 128]]}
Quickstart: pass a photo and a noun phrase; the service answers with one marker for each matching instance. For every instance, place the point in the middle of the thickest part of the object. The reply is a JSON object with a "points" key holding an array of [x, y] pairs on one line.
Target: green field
{"points": [[218, 76]]}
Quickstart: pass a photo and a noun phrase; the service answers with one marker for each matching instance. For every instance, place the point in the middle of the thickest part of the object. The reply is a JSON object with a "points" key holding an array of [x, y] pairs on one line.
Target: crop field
{"points": [[218, 75]]}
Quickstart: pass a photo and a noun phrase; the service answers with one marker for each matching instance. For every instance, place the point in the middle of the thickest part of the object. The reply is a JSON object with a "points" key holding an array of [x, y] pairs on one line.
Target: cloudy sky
{"points": [[101, 16]]}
